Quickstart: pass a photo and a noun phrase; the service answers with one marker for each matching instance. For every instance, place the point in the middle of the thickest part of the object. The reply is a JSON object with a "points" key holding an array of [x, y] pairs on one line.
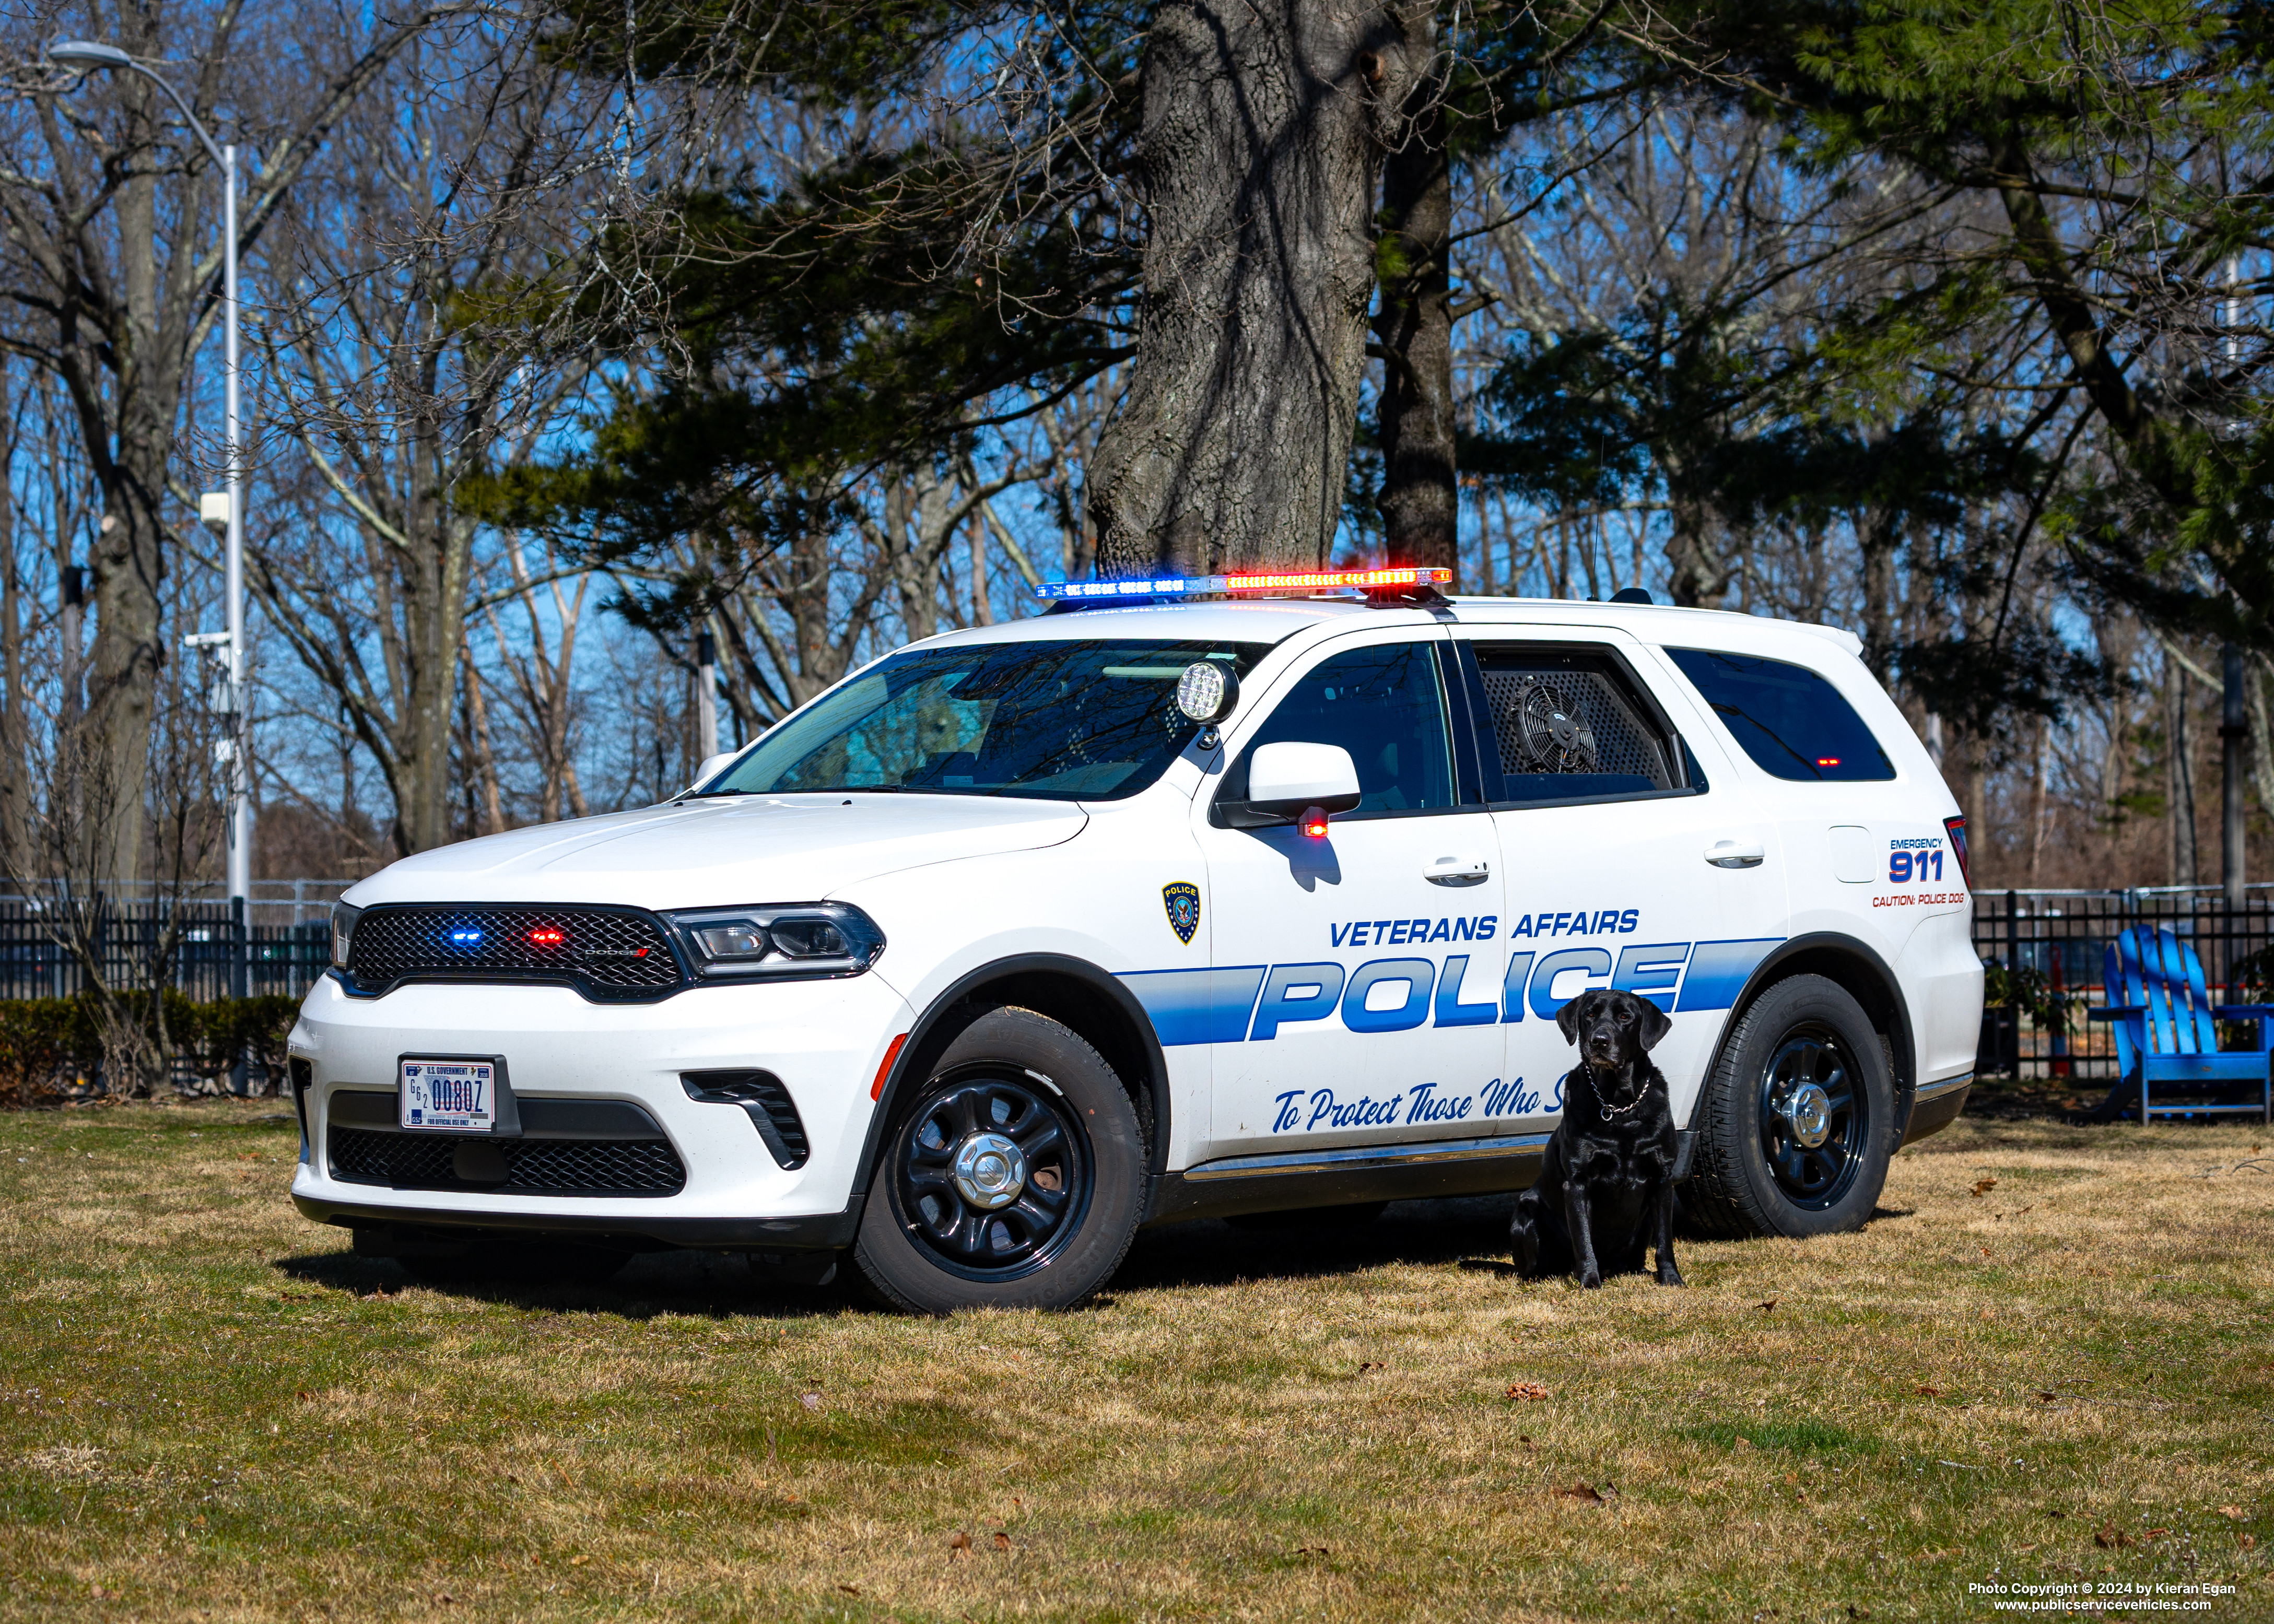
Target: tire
{"points": [[1014, 1177], [1755, 1171]]}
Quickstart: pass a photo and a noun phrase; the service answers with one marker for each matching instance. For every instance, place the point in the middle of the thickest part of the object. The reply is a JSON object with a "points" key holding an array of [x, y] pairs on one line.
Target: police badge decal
{"points": [[1183, 901]]}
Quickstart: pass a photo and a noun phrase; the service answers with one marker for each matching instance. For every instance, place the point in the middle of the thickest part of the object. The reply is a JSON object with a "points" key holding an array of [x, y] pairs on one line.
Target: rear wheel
{"points": [[1014, 1177], [1797, 1124]]}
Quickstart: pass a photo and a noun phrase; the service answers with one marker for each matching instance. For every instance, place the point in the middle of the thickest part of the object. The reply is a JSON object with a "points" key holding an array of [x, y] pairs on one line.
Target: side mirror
{"points": [[1286, 780]]}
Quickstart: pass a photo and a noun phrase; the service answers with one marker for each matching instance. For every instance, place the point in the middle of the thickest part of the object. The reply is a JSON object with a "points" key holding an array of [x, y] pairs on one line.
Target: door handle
{"points": [[1731, 855], [1456, 871]]}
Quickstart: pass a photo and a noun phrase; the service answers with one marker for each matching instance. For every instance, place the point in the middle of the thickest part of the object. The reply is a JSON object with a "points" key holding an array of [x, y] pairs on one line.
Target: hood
{"points": [[721, 853]]}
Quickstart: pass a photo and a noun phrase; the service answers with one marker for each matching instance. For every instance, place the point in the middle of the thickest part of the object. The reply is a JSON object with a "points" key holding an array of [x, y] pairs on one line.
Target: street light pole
{"points": [[240, 765], [87, 56]]}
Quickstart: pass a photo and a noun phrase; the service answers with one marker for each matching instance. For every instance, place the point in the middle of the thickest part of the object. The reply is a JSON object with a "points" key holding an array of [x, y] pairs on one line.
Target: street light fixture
{"points": [[87, 56]]}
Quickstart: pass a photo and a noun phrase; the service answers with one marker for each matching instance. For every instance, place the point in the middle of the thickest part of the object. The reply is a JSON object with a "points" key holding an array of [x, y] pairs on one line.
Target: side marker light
{"points": [[876, 1088], [1313, 823]]}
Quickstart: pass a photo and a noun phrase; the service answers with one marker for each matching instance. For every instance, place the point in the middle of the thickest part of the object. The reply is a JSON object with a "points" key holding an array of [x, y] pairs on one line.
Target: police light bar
{"points": [[1195, 586]]}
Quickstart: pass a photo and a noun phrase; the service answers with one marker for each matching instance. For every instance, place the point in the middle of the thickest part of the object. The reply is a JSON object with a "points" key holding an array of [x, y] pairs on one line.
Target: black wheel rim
{"points": [[990, 1176], [1813, 1118]]}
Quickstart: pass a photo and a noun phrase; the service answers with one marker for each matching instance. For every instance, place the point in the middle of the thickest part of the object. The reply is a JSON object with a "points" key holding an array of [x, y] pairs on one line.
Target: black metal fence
{"points": [[34, 963], [2049, 946]]}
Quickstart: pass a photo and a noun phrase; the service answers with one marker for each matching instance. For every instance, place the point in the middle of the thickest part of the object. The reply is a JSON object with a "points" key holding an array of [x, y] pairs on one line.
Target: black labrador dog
{"points": [[1608, 1188]]}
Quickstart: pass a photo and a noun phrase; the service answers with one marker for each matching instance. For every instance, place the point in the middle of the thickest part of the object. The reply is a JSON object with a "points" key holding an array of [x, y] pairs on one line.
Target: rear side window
{"points": [[1569, 728], [1793, 723]]}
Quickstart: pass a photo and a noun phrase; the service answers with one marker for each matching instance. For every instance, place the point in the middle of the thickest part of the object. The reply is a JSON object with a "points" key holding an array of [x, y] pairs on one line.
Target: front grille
{"points": [[533, 1167], [609, 954]]}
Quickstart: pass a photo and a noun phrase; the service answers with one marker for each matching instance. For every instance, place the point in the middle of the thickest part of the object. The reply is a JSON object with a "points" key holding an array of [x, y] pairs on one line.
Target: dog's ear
{"points": [[1655, 1023], [1568, 1017]]}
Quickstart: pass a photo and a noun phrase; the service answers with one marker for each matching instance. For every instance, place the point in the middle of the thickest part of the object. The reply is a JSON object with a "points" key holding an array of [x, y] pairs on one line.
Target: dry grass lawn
{"points": [[2048, 1360]]}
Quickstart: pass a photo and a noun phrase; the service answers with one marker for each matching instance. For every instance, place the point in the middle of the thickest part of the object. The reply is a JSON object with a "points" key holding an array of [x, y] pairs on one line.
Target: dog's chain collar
{"points": [[1609, 1109]]}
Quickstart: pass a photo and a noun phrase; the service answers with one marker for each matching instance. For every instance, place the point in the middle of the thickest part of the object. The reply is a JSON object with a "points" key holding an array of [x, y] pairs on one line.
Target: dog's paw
{"points": [[1590, 1281], [1671, 1277]]}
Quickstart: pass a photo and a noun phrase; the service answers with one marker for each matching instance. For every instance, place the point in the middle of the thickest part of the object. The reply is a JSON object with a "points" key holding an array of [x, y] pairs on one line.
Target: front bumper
{"points": [[823, 1039]]}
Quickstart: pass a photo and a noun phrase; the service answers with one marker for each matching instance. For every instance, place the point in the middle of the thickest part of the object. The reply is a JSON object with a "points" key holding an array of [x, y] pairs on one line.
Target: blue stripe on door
{"points": [[1197, 1006], [1719, 970]]}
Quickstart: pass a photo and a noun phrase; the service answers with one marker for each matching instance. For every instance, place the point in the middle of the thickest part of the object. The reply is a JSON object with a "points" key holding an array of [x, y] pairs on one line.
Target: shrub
{"points": [[52, 1046]]}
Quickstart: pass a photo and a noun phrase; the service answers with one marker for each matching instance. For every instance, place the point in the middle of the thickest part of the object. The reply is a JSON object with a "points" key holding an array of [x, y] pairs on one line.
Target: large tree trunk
{"points": [[1264, 121], [1419, 502]]}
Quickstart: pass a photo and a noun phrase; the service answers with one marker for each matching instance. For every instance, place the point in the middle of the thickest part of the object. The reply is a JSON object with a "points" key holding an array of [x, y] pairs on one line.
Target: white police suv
{"points": [[1155, 907]]}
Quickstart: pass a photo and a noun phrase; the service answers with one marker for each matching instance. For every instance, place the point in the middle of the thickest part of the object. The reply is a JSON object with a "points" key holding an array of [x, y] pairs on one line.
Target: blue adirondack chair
{"points": [[2167, 1038]]}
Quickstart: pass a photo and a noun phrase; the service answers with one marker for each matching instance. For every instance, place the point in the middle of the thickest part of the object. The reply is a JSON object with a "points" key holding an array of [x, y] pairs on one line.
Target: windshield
{"points": [[1063, 721]]}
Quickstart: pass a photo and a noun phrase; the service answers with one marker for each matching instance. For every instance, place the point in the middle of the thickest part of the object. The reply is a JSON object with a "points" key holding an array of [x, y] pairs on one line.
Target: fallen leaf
{"points": [[1854, 1611], [1524, 1438], [2108, 1537], [850, 1590], [2250, 1540], [2024, 1549], [442, 1599], [1311, 1551], [1527, 1390], [1588, 1493], [1983, 1186], [2155, 1533], [811, 1401], [1986, 1252], [2047, 1398], [1770, 1306], [2236, 1512], [960, 1544], [578, 1560], [1002, 1540], [1741, 1442], [1931, 1392], [97, 1592]]}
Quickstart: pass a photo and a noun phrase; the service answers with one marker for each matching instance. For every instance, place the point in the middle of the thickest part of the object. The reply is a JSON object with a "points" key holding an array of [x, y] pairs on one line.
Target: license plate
{"points": [[454, 1096]]}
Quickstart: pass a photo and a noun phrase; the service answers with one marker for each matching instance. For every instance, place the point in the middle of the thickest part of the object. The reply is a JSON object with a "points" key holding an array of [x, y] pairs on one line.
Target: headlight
{"points": [[343, 924], [779, 939], [740, 939]]}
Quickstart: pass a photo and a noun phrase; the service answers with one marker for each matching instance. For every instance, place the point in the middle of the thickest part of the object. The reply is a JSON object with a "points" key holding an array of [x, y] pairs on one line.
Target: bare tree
{"points": [[401, 365], [112, 274]]}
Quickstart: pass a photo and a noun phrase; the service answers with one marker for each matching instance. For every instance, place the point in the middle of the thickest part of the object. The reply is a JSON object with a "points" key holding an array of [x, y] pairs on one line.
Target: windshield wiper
{"points": [[705, 794]]}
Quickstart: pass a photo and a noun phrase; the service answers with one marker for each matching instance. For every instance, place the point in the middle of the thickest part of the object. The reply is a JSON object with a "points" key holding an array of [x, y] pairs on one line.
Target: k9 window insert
{"points": [[1558, 724]]}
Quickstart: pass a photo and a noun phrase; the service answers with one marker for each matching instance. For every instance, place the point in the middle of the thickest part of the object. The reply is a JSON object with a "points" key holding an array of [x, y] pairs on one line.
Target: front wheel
{"points": [[1014, 1177], [1798, 1123]]}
